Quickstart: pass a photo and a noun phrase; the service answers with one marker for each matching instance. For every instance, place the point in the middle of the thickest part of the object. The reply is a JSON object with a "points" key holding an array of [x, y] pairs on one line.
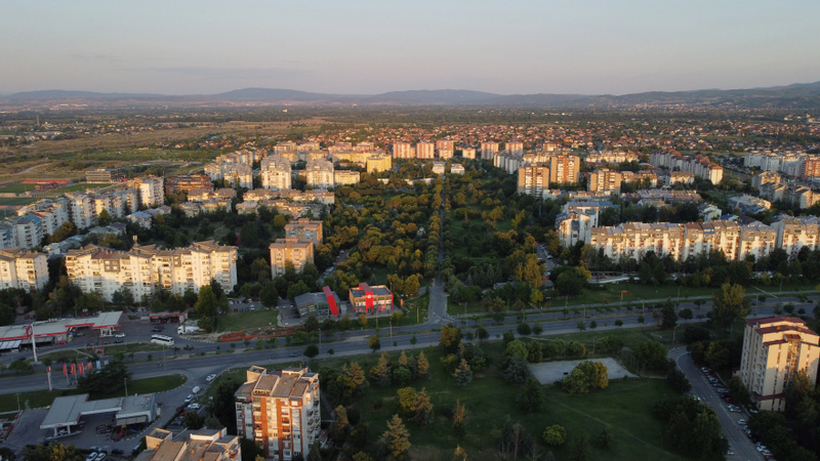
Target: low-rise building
{"points": [[380, 162], [346, 177], [456, 168], [104, 175], [368, 300], [322, 304], [196, 445], [184, 183]]}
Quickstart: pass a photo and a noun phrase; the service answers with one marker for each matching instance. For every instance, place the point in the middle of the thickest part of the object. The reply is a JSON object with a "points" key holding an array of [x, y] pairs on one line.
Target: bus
{"points": [[162, 339]]}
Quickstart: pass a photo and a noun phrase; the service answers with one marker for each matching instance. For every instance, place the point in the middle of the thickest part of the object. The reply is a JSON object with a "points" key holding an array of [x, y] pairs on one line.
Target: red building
{"points": [[366, 299]]}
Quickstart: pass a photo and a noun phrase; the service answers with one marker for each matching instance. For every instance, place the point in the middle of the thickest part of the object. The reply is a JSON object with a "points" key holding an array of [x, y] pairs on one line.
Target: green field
{"points": [[624, 407], [39, 399], [17, 188], [16, 201], [79, 187], [237, 321]]}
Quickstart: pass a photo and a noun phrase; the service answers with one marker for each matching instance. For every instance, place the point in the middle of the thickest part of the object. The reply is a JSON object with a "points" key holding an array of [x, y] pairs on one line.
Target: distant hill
{"points": [[791, 97]]}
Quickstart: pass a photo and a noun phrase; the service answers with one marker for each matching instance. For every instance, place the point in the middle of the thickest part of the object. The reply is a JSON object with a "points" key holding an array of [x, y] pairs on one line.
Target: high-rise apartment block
{"points": [[238, 174], [319, 174], [305, 229], [146, 268], [468, 152], [403, 150], [488, 150], [22, 269], [445, 144], [811, 167], [150, 191], [289, 249], [796, 233], [347, 177], [605, 180], [425, 150], [564, 168], [514, 147], [699, 165], [276, 172], [775, 349], [279, 409], [533, 179]]}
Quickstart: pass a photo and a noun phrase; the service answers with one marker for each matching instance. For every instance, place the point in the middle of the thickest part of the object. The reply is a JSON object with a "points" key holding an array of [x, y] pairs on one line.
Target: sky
{"points": [[374, 46]]}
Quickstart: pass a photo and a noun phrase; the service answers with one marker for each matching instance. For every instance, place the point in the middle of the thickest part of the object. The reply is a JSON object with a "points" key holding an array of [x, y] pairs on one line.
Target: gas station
{"points": [[49, 332]]}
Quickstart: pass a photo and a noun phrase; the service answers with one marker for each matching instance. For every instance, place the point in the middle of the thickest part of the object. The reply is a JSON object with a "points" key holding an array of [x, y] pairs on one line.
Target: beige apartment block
{"points": [[319, 174], [275, 172], [425, 150], [305, 229], [298, 251], [796, 233], [380, 162], [347, 177], [280, 410], [403, 150], [605, 180], [775, 349], [488, 150], [533, 179]]}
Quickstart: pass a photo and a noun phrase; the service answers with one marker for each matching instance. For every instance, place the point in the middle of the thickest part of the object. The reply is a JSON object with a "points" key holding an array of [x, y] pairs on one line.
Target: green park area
{"points": [[239, 321], [18, 188], [43, 398]]}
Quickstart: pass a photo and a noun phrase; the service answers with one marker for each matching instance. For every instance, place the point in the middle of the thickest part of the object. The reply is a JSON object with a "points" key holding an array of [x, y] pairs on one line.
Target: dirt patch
{"points": [[549, 372]]}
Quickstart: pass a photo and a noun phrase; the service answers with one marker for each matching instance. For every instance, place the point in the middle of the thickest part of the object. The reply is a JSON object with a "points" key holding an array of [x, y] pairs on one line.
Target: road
{"points": [[742, 446]]}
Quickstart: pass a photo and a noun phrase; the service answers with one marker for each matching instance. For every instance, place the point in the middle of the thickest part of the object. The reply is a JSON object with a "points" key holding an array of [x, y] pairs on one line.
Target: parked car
{"points": [[92, 456], [119, 335], [100, 456], [741, 421], [193, 407], [211, 377], [190, 398], [117, 451]]}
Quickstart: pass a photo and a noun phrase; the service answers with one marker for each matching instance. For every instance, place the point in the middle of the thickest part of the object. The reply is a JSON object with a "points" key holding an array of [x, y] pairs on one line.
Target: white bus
{"points": [[162, 339]]}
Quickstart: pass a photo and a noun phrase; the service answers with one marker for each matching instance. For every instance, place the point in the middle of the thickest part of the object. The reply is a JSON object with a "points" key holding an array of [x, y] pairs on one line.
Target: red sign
{"points": [[65, 370], [74, 369], [29, 331], [368, 301]]}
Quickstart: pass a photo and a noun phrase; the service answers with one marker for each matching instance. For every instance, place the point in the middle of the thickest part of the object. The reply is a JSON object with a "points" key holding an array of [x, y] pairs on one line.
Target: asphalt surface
{"points": [[739, 443]]}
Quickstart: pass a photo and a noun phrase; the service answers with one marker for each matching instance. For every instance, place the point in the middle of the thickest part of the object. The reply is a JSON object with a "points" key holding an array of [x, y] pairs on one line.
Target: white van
{"points": [[196, 389]]}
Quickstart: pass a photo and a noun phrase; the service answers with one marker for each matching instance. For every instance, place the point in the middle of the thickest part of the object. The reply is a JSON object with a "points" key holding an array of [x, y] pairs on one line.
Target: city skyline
{"points": [[186, 48]]}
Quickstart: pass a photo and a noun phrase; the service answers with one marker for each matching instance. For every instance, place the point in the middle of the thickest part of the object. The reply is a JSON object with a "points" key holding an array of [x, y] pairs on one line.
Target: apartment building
{"points": [[572, 227], [564, 169], [319, 174], [605, 180], [457, 168], [305, 229], [289, 249], [380, 162], [445, 154], [403, 150], [425, 150], [811, 167], [180, 183], [468, 152], [699, 165], [671, 178], [682, 241], [27, 231], [198, 445], [775, 349], [611, 156], [146, 268], [445, 144], [323, 196], [279, 409], [347, 177], [796, 233], [23, 269], [767, 177], [533, 179], [488, 150], [150, 191], [238, 174], [276, 172]]}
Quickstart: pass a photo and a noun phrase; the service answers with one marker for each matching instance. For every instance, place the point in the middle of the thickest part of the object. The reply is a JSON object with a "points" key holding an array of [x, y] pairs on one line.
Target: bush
{"points": [[524, 329]]}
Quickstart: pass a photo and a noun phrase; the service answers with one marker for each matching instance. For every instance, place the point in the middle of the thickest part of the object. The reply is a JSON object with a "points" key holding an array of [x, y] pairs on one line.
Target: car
{"points": [[119, 335], [91, 456], [117, 341], [211, 377], [760, 447], [294, 354], [117, 451], [193, 407], [100, 456], [741, 421], [79, 335], [190, 398], [729, 452]]}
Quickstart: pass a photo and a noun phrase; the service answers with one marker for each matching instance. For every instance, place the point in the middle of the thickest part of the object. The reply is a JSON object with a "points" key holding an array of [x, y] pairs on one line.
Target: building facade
{"points": [[22, 269], [605, 180], [319, 174], [305, 229], [279, 409], [366, 299], [289, 249], [174, 184], [380, 162], [775, 349], [276, 172]]}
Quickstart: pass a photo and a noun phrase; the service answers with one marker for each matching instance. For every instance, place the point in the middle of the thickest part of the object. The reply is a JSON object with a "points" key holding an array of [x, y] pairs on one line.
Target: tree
{"points": [[641, 320], [339, 426], [729, 303], [459, 420], [619, 323], [593, 325], [311, 324], [104, 218], [463, 374], [51, 452], [381, 373], [396, 439], [108, 379], [606, 438], [555, 435], [686, 314], [422, 366], [459, 454], [413, 340], [424, 409], [18, 366], [450, 338], [532, 399], [311, 351], [579, 449], [408, 401], [537, 329], [668, 315], [7, 454], [362, 320], [269, 295], [374, 343], [207, 305], [516, 370]]}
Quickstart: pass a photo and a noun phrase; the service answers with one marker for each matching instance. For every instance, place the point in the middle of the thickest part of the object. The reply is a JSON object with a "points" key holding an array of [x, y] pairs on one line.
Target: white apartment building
{"points": [[145, 268], [238, 174], [150, 190], [682, 241], [23, 269], [28, 231], [276, 172], [573, 227], [81, 210], [796, 233], [8, 237], [488, 150], [514, 147], [52, 213], [319, 174], [699, 165], [279, 409], [775, 349], [611, 156]]}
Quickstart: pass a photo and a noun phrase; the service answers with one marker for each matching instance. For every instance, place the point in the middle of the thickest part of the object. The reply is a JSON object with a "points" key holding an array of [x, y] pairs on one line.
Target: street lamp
{"points": [[320, 340], [674, 330]]}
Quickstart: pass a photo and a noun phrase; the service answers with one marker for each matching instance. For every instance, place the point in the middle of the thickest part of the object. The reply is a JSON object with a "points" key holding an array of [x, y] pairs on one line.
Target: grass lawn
{"points": [[39, 399], [624, 407], [110, 350], [80, 187], [17, 188], [236, 321], [17, 201]]}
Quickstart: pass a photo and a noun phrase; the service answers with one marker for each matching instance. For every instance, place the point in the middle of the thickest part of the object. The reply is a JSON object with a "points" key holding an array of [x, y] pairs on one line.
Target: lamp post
{"points": [[125, 381], [320, 340], [674, 330]]}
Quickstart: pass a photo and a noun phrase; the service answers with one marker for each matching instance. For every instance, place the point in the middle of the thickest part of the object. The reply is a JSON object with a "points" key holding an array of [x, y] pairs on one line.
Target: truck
{"points": [[188, 329]]}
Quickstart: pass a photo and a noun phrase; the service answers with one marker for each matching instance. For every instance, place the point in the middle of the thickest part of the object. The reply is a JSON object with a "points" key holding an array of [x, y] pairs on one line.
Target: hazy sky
{"points": [[368, 47]]}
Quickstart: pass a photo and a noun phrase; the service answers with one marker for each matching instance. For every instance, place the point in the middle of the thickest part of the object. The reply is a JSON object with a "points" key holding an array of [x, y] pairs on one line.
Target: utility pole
{"points": [[125, 381], [320, 340]]}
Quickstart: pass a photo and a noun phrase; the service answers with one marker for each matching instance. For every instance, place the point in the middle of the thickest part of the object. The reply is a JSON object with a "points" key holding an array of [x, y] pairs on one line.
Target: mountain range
{"points": [[791, 97]]}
